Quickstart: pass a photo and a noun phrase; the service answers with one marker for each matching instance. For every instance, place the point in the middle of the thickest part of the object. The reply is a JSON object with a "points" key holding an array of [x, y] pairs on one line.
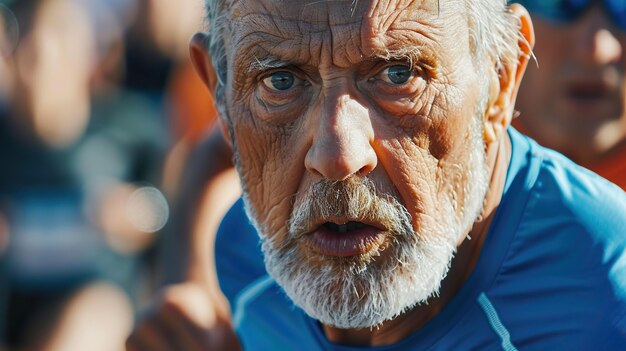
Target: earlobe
{"points": [[500, 109], [199, 54]]}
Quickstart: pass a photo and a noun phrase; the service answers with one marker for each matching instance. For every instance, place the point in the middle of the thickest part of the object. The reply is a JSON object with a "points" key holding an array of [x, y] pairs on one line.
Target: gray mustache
{"points": [[355, 199]]}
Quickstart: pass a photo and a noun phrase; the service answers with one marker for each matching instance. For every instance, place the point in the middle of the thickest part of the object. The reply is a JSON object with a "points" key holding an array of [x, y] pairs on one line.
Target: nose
{"points": [[597, 41], [341, 145]]}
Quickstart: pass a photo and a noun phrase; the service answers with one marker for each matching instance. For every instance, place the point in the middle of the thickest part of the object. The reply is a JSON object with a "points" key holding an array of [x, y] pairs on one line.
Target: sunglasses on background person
{"points": [[567, 11]]}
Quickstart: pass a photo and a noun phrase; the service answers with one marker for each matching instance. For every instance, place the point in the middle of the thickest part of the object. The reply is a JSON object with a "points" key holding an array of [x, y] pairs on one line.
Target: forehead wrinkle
{"points": [[420, 30], [329, 23], [377, 33], [422, 17], [255, 54], [294, 41], [259, 38], [388, 6]]}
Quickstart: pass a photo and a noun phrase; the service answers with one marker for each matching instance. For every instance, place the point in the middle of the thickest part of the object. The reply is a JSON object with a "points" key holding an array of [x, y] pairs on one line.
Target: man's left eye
{"points": [[398, 74]]}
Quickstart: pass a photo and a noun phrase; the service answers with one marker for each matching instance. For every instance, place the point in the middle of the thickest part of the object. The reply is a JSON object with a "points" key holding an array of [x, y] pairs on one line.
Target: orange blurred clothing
{"points": [[193, 110], [611, 166], [192, 116]]}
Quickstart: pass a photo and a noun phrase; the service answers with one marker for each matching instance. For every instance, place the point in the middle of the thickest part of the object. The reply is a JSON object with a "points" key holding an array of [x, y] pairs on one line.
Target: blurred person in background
{"points": [[79, 154], [199, 178], [574, 99]]}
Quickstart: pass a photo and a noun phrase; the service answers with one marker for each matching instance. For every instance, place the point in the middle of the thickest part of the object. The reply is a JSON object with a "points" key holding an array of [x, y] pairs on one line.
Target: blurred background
{"points": [[99, 107], [100, 111]]}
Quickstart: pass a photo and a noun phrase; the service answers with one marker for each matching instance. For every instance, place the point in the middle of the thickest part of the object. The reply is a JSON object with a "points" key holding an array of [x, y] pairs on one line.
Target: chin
{"points": [[362, 291]]}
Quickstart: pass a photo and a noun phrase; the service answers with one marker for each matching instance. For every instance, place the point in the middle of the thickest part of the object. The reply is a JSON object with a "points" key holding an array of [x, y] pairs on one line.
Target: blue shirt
{"points": [[551, 274]]}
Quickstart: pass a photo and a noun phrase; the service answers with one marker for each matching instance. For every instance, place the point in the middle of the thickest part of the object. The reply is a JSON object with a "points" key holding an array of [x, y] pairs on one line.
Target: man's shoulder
{"points": [[569, 213], [561, 189], [568, 246], [592, 201], [574, 214]]}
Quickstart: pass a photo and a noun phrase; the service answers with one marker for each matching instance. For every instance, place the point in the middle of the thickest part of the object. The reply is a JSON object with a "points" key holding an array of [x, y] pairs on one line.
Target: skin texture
{"points": [[344, 119], [586, 55]]}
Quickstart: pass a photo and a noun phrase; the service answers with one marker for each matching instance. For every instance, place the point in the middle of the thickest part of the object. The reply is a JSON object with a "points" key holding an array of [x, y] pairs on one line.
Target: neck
{"points": [[468, 252]]}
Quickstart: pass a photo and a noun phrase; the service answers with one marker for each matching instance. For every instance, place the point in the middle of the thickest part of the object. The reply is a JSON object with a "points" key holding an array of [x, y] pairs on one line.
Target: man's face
{"points": [[359, 147], [574, 100]]}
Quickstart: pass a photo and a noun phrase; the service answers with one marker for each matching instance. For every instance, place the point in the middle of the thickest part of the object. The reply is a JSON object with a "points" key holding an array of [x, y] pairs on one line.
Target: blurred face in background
{"points": [[172, 23], [574, 100], [54, 61], [8, 41]]}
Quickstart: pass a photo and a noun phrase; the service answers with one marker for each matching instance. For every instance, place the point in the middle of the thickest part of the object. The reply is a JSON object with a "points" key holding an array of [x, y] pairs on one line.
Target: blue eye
{"points": [[281, 80], [398, 74]]}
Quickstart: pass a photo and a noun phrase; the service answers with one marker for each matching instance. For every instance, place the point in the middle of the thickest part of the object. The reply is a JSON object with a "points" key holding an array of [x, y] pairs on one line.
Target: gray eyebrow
{"points": [[410, 54], [265, 63]]}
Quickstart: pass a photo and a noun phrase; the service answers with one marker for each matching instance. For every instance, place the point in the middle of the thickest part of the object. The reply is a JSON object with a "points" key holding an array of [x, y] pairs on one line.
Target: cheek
{"points": [[411, 170], [422, 164], [270, 167], [451, 124]]}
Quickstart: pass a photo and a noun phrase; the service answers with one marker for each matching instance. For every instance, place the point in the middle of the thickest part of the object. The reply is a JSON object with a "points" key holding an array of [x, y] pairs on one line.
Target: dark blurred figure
{"points": [[201, 183], [573, 101], [79, 157]]}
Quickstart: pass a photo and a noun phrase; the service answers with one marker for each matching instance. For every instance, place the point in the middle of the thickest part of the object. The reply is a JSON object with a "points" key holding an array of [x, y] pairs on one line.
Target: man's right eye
{"points": [[280, 81]]}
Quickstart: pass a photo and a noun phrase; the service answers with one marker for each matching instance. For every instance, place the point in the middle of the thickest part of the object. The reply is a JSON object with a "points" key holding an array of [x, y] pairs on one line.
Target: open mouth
{"points": [[347, 239], [344, 228]]}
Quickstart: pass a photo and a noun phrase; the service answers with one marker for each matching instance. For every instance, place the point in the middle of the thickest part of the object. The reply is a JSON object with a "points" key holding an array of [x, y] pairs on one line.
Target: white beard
{"points": [[366, 291]]}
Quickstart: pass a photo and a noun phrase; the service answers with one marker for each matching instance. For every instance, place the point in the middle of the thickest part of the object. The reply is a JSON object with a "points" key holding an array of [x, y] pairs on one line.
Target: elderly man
{"points": [[395, 207]]}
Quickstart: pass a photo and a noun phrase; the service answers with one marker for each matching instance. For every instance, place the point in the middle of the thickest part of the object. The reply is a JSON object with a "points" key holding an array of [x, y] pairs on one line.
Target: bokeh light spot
{"points": [[147, 209]]}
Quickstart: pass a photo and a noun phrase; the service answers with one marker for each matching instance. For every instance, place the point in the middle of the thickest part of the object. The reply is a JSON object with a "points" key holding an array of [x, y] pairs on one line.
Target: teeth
{"points": [[344, 228], [355, 226]]}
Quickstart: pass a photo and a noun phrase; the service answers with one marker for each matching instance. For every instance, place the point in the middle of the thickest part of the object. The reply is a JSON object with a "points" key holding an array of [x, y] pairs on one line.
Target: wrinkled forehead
{"points": [[330, 12], [346, 28]]}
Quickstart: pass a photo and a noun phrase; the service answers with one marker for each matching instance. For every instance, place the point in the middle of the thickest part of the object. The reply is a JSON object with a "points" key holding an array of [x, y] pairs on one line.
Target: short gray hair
{"points": [[216, 23], [494, 31], [494, 37]]}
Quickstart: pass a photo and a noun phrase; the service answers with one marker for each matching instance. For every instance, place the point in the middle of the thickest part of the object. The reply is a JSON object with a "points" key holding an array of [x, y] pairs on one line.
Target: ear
{"points": [[199, 54], [502, 102]]}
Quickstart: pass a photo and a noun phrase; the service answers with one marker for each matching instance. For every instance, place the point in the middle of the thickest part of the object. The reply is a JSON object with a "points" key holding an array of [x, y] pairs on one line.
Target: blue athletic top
{"points": [[551, 275]]}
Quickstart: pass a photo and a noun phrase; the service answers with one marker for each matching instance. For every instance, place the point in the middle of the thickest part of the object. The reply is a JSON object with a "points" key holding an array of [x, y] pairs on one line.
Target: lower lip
{"points": [[353, 243]]}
